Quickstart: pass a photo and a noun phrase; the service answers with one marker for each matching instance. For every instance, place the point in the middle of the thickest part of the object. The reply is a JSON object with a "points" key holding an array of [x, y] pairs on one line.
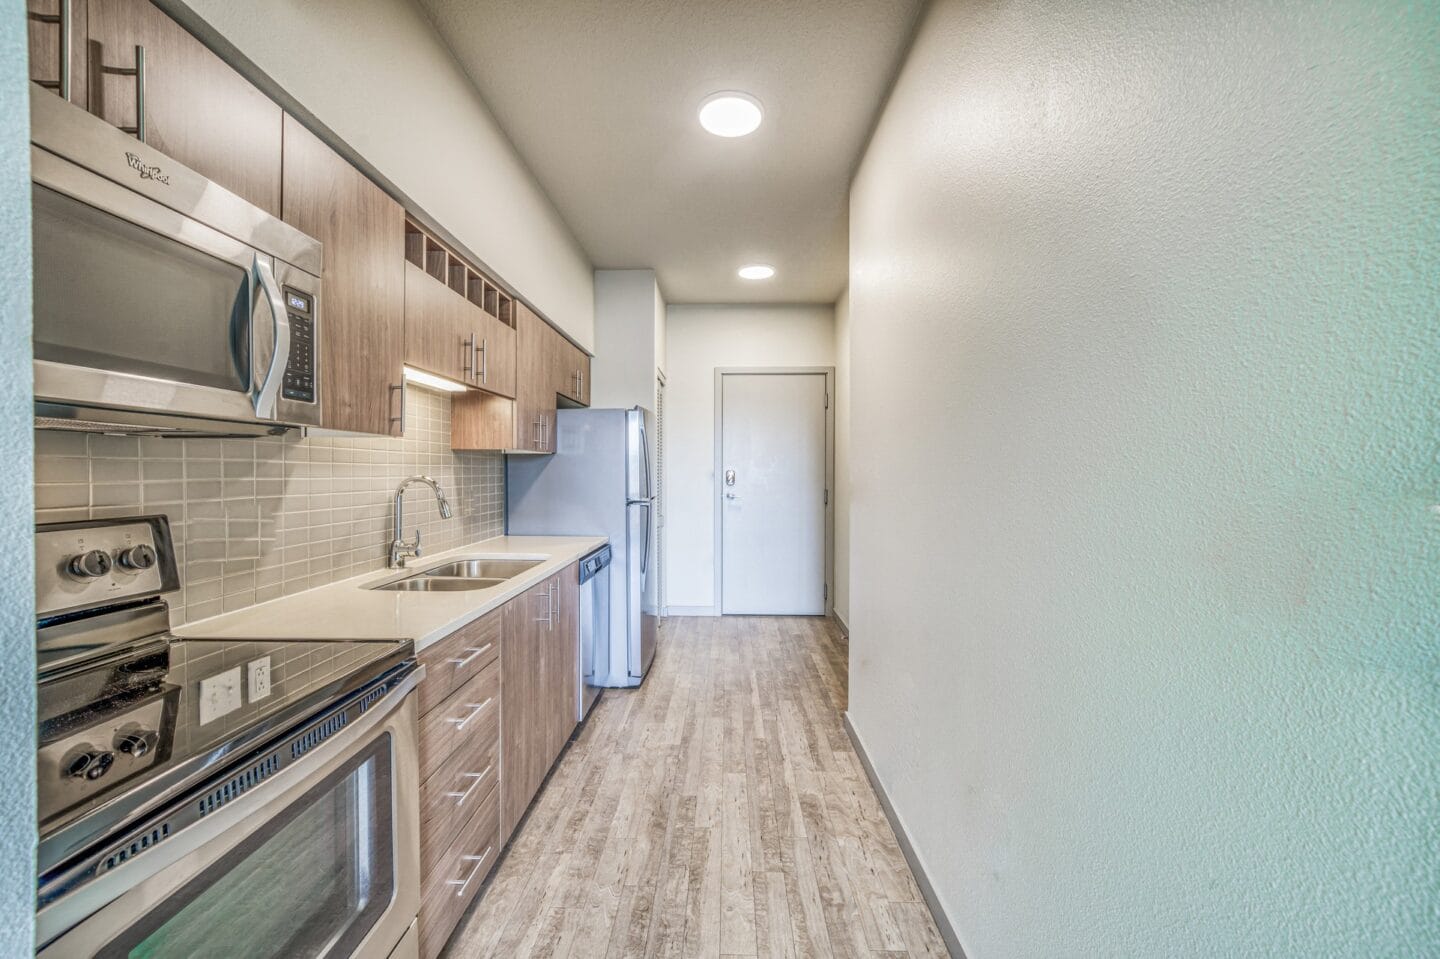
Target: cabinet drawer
{"points": [[458, 874], [450, 798], [457, 658], [471, 713]]}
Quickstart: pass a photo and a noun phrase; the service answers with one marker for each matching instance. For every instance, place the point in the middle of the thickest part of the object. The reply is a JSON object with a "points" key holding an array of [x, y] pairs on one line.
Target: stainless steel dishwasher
{"points": [[594, 628]]}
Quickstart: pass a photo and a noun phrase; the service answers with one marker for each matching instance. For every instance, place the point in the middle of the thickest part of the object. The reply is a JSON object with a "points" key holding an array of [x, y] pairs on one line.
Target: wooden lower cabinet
{"points": [[497, 706], [460, 774]]}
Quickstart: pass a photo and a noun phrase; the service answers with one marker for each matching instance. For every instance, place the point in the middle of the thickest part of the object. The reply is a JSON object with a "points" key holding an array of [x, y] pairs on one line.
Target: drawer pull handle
{"points": [[475, 710], [462, 663], [479, 862], [476, 779]]}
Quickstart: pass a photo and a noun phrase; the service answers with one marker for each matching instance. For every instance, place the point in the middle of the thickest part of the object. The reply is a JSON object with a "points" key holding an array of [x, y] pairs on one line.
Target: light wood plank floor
{"points": [[720, 810]]}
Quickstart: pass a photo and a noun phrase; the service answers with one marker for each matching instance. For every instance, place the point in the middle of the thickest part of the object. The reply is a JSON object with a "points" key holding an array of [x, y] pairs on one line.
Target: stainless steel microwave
{"points": [[164, 303]]}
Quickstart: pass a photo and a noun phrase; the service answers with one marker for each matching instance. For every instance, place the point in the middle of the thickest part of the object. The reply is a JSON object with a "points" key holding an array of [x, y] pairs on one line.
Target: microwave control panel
{"points": [[300, 367]]}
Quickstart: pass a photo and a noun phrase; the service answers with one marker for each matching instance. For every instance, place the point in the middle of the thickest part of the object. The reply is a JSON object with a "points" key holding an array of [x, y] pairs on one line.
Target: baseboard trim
{"points": [[844, 626], [691, 611], [942, 922]]}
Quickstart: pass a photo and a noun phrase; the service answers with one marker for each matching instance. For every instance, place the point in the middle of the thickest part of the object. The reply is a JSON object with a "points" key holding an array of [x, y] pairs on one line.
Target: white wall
{"points": [[376, 73], [1145, 430], [627, 338], [17, 590], [842, 458], [700, 339]]}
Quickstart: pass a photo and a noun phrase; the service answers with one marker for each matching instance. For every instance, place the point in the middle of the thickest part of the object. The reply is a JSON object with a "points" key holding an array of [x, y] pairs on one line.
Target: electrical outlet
{"points": [[259, 676], [219, 694]]}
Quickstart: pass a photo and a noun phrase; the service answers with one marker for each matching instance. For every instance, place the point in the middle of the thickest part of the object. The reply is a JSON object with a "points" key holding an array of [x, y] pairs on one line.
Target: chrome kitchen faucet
{"points": [[399, 549]]}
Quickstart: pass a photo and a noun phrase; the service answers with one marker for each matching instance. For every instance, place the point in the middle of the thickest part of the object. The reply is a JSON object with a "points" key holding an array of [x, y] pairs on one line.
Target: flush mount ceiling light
{"points": [[730, 114], [421, 378], [756, 271]]}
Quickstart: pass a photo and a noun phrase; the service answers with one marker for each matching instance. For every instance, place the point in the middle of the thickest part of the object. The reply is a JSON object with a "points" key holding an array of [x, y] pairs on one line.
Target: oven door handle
{"points": [[71, 909], [269, 390]]}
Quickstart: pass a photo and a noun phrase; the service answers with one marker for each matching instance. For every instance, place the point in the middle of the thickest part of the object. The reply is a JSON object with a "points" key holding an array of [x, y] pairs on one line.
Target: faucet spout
{"points": [[400, 549]]}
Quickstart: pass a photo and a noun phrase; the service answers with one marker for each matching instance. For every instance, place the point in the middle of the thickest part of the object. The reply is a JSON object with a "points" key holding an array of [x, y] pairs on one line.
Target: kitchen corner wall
{"points": [[254, 519]]}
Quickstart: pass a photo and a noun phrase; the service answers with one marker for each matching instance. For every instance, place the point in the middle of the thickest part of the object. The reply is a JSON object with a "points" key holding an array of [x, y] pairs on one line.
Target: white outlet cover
{"points": [[219, 694], [258, 674]]}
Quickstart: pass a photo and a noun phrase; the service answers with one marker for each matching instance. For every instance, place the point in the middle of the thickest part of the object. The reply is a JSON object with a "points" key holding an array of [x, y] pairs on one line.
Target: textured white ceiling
{"points": [[600, 99]]}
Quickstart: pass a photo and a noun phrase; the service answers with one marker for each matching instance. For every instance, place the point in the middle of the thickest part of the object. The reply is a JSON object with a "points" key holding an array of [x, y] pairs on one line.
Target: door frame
{"points": [[719, 473]]}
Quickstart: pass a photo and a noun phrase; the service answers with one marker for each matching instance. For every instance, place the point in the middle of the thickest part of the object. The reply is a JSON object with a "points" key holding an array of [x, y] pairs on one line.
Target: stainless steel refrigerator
{"points": [[599, 481]]}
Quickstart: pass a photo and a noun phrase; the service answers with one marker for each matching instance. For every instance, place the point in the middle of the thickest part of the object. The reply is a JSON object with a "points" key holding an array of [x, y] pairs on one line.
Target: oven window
{"points": [[312, 882], [110, 295]]}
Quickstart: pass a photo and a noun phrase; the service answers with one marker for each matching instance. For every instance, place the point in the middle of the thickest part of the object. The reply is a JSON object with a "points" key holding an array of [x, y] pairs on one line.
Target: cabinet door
{"points": [[497, 357], [46, 32], [363, 286], [524, 734], [197, 109], [534, 387], [436, 329], [565, 658]]}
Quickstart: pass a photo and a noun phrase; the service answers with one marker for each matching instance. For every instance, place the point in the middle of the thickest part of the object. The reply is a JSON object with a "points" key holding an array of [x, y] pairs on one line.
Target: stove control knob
{"points": [[136, 558], [90, 565], [101, 765], [89, 764], [134, 745]]}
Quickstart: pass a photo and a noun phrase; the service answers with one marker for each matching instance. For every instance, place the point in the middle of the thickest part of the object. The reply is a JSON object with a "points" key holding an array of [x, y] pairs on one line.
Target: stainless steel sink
{"points": [[497, 569], [433, 584]]}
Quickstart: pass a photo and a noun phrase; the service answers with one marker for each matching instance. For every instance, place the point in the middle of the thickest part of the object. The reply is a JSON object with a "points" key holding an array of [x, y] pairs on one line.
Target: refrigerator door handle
{"points": [[645, 457], [645, 552]]}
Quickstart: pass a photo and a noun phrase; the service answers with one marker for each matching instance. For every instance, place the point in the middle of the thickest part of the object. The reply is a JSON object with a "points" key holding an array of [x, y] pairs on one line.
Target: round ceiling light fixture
{"points": [[731, 114], [756, 271]]}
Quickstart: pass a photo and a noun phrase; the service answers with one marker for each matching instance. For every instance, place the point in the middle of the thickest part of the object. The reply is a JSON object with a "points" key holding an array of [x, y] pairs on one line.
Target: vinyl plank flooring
{"points": [[717, 811]]}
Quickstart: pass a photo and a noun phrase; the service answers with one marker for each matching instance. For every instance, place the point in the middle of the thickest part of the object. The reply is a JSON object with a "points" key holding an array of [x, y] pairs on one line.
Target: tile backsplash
{"points": [[254, 519]]}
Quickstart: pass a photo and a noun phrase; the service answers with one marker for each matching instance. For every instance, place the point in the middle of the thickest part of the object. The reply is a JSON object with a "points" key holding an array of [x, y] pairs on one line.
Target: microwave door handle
{"points": [[280, 325]]}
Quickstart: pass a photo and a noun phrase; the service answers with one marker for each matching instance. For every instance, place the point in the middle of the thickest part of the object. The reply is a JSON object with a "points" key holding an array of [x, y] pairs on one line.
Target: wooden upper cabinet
{"points": [[197, 109], [46, 30], [435, 337], [535, 386], [570, 370], [362, 294]]}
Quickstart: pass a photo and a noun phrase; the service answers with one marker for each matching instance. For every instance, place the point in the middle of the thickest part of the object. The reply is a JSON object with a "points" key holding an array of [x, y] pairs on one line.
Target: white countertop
{"points": [[349, 610]]}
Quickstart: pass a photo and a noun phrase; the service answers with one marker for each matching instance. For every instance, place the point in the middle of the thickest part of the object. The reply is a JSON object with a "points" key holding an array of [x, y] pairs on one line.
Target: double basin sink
{"points": [[461, 574]]}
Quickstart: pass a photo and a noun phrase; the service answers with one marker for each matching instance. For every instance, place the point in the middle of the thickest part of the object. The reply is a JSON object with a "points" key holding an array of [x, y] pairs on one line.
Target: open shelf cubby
{"points": [[457, 273]]}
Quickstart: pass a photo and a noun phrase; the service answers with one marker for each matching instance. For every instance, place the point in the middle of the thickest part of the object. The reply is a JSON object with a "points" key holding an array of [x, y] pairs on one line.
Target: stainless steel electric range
{"points": [[213, 797]]}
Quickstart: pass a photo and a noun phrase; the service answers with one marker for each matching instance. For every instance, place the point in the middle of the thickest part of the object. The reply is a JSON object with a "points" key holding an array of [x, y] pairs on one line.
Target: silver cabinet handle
{"points": [[478, 861], [581, 395], [280, 324], [401, 419], [555, 592], [469, 361], [475, 780], [484, 361], [475, 710], [62, 84], [549, 617], [138, 72], [462, 663], [536, 440]]}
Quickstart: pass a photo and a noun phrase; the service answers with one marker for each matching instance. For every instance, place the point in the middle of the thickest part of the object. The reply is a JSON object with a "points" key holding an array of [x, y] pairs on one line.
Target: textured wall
{"points": [[700, 339], [17, 590], [254, 519], [376, 73], [1146, 474]]}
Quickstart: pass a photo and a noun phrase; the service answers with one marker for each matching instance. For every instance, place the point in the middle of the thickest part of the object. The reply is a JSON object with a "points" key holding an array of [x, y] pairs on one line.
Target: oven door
{"points": [[324, 865], [140, 307]]}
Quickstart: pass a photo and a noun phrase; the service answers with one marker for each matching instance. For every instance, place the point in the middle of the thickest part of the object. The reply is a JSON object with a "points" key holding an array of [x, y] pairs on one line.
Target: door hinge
{"points": [[827, 592], [827, 497], [827, 401]]}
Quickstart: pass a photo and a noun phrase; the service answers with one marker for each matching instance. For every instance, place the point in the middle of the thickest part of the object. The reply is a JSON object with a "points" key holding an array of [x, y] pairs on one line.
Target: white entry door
{"points": [[772, 493]]}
